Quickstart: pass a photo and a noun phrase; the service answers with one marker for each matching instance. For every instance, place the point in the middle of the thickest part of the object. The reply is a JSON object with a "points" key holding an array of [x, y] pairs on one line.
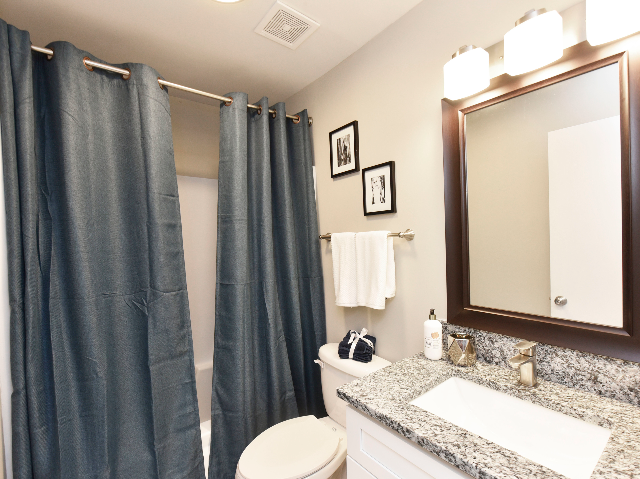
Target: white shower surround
{"points": [[5, 366], [198, 209]]}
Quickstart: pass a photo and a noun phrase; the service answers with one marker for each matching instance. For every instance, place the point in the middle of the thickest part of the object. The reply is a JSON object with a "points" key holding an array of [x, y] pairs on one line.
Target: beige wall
{"points": [[198, 208], [508, 186], [393, 87], [195, 127]]}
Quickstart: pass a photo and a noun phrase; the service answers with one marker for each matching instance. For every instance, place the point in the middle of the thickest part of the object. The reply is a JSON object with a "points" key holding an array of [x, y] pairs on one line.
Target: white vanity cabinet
{"points": [[376, 452]]}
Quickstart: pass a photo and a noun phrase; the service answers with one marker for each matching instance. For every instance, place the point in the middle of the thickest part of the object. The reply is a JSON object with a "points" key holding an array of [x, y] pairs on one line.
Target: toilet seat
{"points": [[292, 449]]}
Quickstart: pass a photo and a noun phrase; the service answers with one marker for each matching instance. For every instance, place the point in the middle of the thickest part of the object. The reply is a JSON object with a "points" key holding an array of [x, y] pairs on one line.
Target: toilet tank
{"points": [[337, 372]]}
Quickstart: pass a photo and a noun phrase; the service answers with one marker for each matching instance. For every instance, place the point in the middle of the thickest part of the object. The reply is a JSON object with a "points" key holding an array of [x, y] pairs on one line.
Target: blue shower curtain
{"points": [[101, 349], [270, 316]]}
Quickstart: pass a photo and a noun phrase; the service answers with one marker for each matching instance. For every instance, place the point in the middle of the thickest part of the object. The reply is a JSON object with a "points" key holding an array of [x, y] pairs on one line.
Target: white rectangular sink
{"points": [[561, 443]]}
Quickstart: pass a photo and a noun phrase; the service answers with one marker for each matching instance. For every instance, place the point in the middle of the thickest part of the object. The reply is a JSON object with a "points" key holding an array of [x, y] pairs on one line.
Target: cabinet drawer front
{"points": [[387, 455], [356, 471]]}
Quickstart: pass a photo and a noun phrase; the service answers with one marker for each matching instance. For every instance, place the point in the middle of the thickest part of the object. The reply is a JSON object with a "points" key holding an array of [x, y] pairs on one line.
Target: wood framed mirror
{"points": [[542, 203]]}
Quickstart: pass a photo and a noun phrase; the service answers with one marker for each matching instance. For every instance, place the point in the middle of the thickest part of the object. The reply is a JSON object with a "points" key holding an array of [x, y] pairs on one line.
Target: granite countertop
{"points": [[385, 396]]}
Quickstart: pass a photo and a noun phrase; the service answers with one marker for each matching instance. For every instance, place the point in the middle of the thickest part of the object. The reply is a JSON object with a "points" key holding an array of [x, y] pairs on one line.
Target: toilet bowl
{"points": [[309, 447], [332, 469], [302, 447]]}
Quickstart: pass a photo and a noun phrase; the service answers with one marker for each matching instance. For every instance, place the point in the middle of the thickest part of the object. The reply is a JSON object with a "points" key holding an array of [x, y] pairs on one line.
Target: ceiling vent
{"points": [[286, 26]]}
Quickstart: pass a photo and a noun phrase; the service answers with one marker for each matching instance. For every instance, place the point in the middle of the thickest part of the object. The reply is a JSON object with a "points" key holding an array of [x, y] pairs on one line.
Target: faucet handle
{"points": [[527, 348]]}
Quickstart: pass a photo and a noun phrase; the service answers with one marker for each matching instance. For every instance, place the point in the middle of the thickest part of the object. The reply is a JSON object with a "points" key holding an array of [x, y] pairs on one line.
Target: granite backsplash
{"points": [[608, 377]]}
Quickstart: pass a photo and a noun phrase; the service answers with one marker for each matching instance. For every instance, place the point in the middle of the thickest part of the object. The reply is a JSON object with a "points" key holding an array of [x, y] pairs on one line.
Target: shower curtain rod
{"points": [[126, 74]]}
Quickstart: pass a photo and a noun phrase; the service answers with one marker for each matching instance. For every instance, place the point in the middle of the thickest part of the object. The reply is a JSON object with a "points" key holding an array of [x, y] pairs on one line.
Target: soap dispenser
{"points": [[433, 337]]}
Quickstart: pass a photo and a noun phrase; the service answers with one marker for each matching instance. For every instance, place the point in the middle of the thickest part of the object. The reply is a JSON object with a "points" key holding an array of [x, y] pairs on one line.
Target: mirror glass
{"points": [[544, 201]]}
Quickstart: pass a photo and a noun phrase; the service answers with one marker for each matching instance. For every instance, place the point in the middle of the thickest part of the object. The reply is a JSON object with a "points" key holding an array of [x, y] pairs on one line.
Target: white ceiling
{"points": [[205, 44]]}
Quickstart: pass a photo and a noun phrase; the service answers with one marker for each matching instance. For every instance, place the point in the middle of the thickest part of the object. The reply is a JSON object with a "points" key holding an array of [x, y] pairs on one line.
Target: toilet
{"points": [[306, 447]]}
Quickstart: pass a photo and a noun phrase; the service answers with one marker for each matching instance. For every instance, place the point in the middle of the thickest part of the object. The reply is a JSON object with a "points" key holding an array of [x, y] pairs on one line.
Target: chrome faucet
{"points": [[527, 362]]}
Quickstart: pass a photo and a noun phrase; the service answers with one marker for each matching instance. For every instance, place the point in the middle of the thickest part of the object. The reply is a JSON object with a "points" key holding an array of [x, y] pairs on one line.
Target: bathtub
{"points": [[205, 430]]}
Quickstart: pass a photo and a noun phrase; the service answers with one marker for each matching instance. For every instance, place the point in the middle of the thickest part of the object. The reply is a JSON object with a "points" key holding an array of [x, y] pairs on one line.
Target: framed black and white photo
{"points": [[344, 150], [379, 189]]}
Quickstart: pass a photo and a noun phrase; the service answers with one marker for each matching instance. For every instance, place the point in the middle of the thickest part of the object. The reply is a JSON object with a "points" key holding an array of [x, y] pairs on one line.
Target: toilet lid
{"points": [[292, 449]]}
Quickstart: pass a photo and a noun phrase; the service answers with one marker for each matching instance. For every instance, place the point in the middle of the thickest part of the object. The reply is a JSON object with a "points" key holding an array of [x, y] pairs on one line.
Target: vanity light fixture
{"points": [[535, 42], [608, 20], [466, 73]]}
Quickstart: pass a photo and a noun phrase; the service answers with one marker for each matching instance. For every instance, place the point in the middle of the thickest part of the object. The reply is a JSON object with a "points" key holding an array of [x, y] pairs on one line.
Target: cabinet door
{"points": [[356, 471], [387, 455]]}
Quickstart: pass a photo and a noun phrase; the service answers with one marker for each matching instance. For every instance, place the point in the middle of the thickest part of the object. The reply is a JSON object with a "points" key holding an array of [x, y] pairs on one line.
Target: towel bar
{"points": [[409, 234]]}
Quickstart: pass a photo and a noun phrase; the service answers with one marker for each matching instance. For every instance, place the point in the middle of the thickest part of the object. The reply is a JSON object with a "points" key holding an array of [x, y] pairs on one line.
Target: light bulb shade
{"points": [[533, 43], [608, 20], [466, 74]]}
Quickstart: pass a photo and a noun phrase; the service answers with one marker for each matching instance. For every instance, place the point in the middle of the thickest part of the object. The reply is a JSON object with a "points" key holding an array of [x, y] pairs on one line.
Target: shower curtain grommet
{"points": [[228, 103], [88, 67], [296, 120], [259, 109], [128, 75], [160, 84]]}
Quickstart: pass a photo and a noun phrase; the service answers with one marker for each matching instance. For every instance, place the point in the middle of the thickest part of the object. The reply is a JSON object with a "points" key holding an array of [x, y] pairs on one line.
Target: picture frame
{"points": [[379, 189], [344, 153]]}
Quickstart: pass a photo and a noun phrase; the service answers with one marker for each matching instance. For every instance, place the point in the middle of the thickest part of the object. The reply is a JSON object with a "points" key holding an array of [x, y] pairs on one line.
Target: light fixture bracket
{"points": [[531, 14], [463, 49]]}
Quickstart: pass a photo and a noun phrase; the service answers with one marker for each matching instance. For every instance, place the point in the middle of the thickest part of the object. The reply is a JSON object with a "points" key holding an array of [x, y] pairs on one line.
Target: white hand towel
{"points": [[343, 252], [375, 269], [390, 290]]}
